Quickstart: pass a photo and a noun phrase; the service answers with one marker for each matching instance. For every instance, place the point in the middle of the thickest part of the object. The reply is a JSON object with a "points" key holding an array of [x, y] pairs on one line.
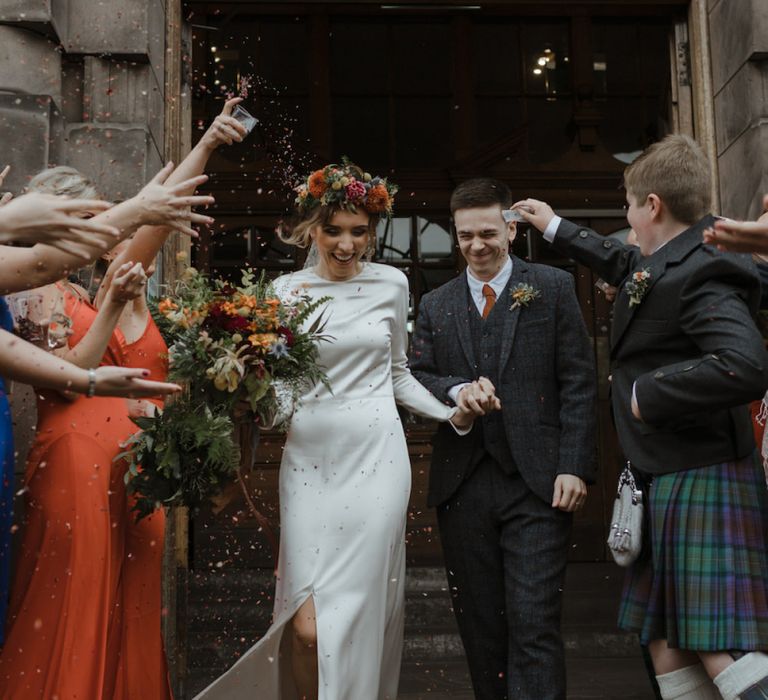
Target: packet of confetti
{"points": [[245, 118]]}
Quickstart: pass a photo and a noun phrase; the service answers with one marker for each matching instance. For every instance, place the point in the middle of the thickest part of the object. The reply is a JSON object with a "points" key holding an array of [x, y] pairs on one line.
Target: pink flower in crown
{"points": [[355, 191]]}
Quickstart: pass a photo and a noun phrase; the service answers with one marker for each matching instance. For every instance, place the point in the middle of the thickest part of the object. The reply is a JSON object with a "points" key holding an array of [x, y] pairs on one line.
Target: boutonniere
{"points": [[638, 286], [522, 295]]}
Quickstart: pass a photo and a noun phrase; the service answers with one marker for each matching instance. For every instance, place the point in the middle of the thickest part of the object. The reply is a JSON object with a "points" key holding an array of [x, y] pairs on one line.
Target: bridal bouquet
{"points": [[242, 354]]}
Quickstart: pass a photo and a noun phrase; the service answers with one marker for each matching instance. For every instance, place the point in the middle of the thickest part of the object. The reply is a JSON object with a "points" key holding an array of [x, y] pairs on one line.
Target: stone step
{"points": [[238, 604], [218, 651], [230, 583], [243, 601], [422, 609]]}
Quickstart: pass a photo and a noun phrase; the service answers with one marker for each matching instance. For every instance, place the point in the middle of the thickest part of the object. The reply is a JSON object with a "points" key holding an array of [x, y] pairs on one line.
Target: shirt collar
{"points": [[497, 283]]}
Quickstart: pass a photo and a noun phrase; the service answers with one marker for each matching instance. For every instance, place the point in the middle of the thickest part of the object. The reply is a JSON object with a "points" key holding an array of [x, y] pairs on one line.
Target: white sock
{"points": [[689, 683], [741, 675]]}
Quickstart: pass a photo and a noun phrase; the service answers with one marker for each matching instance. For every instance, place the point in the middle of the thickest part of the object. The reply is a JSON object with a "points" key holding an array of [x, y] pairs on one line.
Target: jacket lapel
{"points": [[671, 254], [520, 275], [462, 306]]}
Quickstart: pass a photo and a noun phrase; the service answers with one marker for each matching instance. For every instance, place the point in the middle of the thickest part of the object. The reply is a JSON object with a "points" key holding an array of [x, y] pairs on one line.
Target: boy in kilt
{"points": [[686, 359]]}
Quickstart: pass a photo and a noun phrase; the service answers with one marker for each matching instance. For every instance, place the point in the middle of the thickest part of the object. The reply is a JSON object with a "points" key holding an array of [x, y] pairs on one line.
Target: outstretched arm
{"points": [[156, 203], [21, 361], [610, 259], [148, 241], [740, 236]]}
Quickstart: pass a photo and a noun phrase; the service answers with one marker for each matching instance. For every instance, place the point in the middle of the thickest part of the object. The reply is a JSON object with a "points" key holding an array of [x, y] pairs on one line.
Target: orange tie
{"points": [[490, 299]]}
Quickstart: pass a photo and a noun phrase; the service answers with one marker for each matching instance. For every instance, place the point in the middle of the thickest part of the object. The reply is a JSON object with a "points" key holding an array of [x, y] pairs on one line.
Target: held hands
{"points": [[475, 399], [225, 128], [537, 213], [570, 493], [162, 205]]}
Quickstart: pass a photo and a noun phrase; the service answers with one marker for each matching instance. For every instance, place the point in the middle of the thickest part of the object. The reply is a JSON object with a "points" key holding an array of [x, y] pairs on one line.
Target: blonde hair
{"points": [[63, 181], [677, 170], [299, 232]]}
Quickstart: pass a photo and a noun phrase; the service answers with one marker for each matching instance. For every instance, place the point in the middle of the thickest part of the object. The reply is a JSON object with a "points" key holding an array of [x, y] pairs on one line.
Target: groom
{"points": [[506, 492]]}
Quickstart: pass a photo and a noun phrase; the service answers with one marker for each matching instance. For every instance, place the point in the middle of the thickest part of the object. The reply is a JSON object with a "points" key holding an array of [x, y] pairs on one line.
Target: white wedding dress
{"points": [[345, 480]]}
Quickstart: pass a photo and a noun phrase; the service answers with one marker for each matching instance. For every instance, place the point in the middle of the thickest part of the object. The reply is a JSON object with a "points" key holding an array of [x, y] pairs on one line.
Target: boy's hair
{"points": [[480, 192], [677, 170]]}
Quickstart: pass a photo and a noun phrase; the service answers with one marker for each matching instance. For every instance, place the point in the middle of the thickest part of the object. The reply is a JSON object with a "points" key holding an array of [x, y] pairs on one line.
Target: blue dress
{"points": [[6, 483]]}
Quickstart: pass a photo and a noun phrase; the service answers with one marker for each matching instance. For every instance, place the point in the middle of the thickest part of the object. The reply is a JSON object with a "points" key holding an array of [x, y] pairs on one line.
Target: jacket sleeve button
{"points": [[583, 234], [607, 244]]}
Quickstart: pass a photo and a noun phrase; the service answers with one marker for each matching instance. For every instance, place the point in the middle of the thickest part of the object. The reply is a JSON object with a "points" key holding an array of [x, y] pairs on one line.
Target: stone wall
{"points": [[738, 31], [81, 83]]}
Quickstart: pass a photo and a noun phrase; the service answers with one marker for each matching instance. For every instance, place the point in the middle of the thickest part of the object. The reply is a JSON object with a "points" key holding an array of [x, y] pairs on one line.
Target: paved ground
{"points": [[602, 663], [588, 679]]}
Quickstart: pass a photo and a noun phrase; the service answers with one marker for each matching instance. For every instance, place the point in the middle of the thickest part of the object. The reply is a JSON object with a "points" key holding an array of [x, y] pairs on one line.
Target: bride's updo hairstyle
{"points": [[332, 188]]}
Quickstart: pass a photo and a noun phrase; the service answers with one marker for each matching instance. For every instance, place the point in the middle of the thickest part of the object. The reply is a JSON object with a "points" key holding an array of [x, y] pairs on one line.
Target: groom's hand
{"points": [[478, 398], [570, 493], [537, 213]]}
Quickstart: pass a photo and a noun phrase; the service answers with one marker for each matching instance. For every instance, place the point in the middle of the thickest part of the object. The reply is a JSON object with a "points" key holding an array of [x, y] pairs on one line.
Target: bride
{"points": [[345, 476]]}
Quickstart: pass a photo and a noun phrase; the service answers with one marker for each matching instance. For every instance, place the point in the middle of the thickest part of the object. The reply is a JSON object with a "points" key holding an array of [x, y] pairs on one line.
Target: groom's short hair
{"points": [[480, 192]]}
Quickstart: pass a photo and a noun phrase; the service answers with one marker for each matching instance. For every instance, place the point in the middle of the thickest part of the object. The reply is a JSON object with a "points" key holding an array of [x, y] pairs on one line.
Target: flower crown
{"points": [[346, 186]]}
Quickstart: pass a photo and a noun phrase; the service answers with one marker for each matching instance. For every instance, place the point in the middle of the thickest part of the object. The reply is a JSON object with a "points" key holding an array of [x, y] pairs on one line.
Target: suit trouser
{"points": [[505, 554]]}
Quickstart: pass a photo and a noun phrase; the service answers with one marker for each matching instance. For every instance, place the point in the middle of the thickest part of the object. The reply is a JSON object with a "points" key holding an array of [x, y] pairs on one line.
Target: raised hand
{"points": [[130, 383], [55, 221], [570, 493], [162, 205], [225, 128], [537, 213], [128, 283]]}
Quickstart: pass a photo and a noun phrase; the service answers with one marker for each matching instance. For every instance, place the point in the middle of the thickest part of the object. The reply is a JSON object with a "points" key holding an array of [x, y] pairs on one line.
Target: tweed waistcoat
{"points": [[486, 341]]}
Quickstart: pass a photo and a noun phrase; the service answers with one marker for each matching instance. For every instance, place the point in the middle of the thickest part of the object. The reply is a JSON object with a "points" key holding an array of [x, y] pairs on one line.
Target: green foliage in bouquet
{"points": [[236, 349], [183, 456]]}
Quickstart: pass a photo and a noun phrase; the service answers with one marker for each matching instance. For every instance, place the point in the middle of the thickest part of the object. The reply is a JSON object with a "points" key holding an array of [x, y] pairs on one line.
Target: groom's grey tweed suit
{"points": [[505, 546]]}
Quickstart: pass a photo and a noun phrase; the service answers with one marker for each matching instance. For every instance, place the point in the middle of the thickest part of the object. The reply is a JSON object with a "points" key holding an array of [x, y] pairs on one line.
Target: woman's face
{"points": [[341, 242]]}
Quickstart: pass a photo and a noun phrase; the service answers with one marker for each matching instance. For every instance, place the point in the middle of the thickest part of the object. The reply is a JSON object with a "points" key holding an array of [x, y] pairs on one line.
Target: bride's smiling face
{"points": [[341, 242]]}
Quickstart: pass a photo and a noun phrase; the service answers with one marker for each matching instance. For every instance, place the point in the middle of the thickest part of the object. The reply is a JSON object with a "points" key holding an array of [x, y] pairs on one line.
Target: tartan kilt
{"points": [[702, 583]]}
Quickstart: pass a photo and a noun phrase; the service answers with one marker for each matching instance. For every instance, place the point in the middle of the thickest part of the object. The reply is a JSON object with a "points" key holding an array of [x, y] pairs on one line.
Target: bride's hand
{"points": [[463, 419]]}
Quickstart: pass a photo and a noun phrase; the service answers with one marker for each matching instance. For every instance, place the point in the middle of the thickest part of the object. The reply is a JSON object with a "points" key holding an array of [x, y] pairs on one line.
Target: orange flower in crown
{"points": [[379, 200], [316, 184], [348, 187]]}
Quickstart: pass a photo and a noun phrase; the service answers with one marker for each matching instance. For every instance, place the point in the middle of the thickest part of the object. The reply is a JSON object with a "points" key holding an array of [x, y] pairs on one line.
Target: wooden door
{"points": [[549, 98]]}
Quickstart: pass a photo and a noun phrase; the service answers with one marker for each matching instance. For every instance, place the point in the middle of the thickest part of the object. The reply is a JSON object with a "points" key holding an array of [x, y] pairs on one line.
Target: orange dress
{"points": [[78, 593], [142, 671]]}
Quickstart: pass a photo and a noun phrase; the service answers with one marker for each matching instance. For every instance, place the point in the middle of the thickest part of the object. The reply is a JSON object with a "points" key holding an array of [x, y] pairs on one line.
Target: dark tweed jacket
{"points": [[546, 380], [690, 344]]}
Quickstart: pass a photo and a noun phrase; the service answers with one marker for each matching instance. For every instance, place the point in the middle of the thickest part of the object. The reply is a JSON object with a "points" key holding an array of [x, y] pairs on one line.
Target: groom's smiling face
{"points": [[484, 239]]}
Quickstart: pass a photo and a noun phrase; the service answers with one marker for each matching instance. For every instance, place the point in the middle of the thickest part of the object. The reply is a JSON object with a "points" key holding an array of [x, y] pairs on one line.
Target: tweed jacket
{"points": [[545, 380], [689, 346]]}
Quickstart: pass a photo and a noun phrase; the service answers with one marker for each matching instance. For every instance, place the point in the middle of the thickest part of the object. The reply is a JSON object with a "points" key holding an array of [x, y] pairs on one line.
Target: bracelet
{"points": [[91, 384]]}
